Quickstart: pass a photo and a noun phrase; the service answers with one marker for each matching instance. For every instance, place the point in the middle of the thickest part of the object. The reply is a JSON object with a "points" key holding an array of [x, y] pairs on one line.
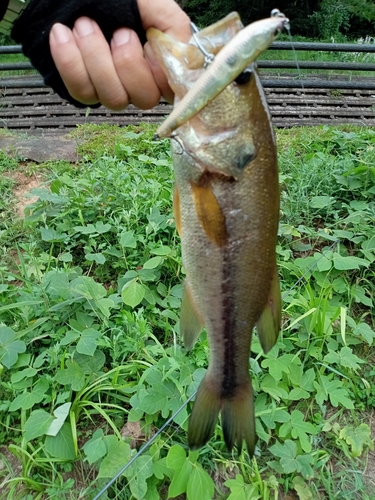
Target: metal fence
{"points": [[305, 92]]}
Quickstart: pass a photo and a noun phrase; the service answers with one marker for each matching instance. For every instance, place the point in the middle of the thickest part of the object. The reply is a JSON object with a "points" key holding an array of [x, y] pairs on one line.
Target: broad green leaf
{"points": [[153, 263], [162, 251], [357, 438], [87, 343], [70, 336], [200, 485], [95, 448], [73, 375], [99, 258], [105, 306], [323, 261], [133, 293], [128, 240], [160, 469], [51, 235], [24, 359], [345, 263], [89, 229], [137, 475], [300, 429], [27, 400], [87, 287], [154, 402], [177, 461], [366, 332], [332, 390], [270, 386], [287, 453], [61, 413], [37, 424], [102, 228], [117, 457], [321, 201], [303, 490], [91, 365], [345, 357], [66, 257], [61, 445], [298, 393], [10, 347], [278, 365], [22, 374], [241, 491], [290, 461]]}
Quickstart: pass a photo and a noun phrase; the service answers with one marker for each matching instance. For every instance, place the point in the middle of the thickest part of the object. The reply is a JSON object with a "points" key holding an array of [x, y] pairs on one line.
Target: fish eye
{"points": [[244, 77]]}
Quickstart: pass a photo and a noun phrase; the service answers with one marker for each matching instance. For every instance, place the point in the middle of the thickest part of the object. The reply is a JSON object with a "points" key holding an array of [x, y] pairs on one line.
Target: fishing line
{"points": [[169, 421], [299, 71], [143, 448]]}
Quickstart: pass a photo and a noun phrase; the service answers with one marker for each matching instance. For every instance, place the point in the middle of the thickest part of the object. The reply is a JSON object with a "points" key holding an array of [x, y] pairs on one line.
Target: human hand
{"points": [[122, 72]]}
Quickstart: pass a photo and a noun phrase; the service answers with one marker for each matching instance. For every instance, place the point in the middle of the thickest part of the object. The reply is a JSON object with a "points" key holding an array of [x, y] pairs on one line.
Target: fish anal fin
{"points": [[238, 420], [210, 214], [177, 210], [204, 416], [269, 323], [190, 320]]}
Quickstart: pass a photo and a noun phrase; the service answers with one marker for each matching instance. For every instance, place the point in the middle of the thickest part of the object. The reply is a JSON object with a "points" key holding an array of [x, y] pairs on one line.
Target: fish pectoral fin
{"points": [[269, 323], [177, 210], [190, 320], [238, 419], [210, 214]]}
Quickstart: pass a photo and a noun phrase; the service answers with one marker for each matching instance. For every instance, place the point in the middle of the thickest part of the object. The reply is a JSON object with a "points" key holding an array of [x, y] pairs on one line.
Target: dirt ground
{"points": [[24, 184]]}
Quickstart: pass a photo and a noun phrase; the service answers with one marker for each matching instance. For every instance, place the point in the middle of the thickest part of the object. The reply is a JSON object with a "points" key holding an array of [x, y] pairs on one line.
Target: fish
{"points": [[230, 62], [226, 207]]}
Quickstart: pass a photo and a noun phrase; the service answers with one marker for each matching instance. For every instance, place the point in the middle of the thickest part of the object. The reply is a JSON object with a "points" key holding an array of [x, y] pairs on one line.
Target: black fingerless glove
{"points": [[33, 27]]}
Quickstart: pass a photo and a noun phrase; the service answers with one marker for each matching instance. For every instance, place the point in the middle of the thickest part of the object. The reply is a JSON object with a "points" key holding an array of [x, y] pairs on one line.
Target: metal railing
{"points": [[288, 81]]}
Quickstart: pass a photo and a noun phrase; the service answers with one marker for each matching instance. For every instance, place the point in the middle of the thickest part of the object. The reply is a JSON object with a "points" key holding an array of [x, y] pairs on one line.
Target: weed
{"points": [[90, 290]]}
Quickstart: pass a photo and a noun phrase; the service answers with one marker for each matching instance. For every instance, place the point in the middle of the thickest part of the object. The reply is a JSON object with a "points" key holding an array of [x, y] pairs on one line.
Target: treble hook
{"points": [[208, 57]]}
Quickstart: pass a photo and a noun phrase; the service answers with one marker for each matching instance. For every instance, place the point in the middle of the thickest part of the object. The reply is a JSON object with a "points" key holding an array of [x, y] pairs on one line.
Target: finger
{"points": [[133, 70], [166, 16], [70, 65], [97, 57]]}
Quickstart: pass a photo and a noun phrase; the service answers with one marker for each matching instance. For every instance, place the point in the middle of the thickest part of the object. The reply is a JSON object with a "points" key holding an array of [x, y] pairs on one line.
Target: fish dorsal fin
{"points": [[268, 325], [190, 320]]}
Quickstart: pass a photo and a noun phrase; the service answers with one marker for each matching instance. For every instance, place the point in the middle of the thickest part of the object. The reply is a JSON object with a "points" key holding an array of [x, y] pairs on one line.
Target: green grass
{"points": [[90, 289]]}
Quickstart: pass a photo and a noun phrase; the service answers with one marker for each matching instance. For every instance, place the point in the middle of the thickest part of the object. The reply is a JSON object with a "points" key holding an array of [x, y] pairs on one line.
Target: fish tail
{"points": [[237, 413], [204, 416], [238, 420]]}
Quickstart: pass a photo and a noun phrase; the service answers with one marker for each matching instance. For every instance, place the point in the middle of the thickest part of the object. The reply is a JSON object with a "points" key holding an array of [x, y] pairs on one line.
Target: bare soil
{"points": [[24, 184]]}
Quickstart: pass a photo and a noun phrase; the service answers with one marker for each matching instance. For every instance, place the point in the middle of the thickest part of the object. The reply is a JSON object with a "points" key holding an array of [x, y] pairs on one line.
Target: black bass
{"points": [[226, 206]]}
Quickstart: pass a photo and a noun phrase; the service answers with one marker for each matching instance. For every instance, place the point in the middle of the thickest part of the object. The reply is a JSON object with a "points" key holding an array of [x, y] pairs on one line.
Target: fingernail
{"points": [[121, 37], [84, 27], [60, 33]]}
